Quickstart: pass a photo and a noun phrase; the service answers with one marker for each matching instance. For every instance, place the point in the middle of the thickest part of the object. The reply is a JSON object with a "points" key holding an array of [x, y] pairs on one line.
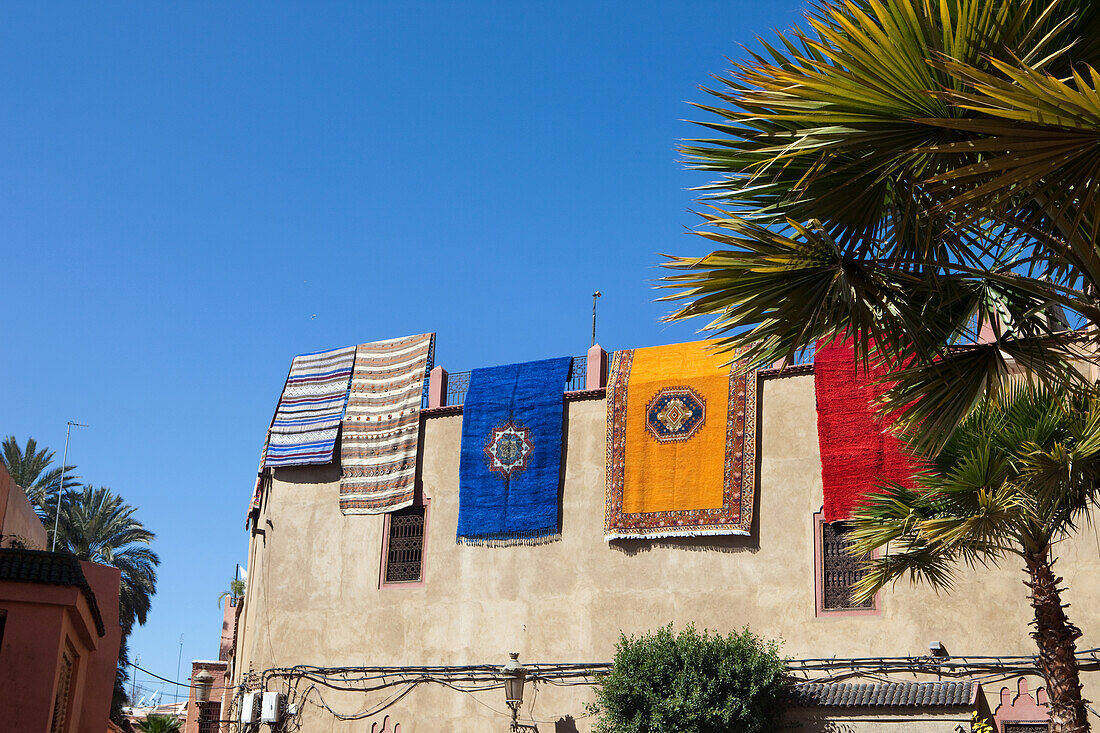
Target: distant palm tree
{"points": [[99, 526], [28, 468], [159, 724], [236, 590]]}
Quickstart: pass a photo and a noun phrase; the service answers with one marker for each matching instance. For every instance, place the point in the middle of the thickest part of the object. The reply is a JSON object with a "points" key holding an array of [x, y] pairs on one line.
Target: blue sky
{"points": [[193, 193]]}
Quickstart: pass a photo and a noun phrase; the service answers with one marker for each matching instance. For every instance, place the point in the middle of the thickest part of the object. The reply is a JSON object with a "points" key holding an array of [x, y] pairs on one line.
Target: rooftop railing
{"points": [[458, 383]]}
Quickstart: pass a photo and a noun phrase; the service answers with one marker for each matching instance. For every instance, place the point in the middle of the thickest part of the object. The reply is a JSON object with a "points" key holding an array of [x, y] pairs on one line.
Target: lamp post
{"points": [[514, 675], [204, 682]]}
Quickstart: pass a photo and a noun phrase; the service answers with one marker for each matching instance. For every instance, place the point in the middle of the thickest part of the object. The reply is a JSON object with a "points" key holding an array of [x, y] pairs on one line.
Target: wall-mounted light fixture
{"points": [[203, 682], [515, 674]]}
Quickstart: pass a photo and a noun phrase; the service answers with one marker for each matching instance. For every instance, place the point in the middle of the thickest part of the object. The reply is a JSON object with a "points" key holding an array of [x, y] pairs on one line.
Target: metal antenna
{"points": [[595, 295], [61, 486], [133, 685], [176, 695]]}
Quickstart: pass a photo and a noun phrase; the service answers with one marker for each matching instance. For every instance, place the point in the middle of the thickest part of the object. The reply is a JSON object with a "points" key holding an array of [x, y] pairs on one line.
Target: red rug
{"points": [[858, 453]]}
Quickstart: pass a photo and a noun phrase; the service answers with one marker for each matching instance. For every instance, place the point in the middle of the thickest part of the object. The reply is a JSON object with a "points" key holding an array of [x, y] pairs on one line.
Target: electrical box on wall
{"points": [[250, 708], [274, 705]]}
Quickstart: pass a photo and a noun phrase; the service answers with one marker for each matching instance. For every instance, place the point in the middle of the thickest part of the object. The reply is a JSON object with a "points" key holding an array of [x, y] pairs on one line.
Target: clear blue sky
{"points": [[193, 193]]}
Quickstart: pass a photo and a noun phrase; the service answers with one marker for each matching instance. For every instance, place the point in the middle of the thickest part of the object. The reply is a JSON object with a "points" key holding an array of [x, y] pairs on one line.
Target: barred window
{"points": [[209, 715], [1024, 727], [61, 699], [405, 546], [839, 570]]}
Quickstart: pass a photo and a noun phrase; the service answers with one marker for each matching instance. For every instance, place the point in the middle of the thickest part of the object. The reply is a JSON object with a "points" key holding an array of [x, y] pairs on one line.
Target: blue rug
{"points": [[511, 454]]}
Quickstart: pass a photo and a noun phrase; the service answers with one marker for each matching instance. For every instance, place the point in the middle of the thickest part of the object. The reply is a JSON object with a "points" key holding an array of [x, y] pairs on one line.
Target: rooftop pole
{"points": [[61, 485], [595, 295]]}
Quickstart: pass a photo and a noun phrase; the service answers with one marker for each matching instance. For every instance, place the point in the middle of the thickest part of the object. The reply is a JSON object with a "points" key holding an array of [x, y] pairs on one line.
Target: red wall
{"points": [[17, 517], [40, 620], [103, 662], [217, 694]]}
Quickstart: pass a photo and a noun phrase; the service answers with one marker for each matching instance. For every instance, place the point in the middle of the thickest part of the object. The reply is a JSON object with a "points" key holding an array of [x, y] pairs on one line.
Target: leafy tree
{"points": [[691, 683], [1019, 474], [30, 468], [159, 724], [908, 171]]}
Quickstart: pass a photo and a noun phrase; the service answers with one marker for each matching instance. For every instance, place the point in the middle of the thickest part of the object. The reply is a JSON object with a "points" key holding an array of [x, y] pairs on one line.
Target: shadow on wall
{"points": [[326, 474], [716, 543], [837, 728], [565, 725]]}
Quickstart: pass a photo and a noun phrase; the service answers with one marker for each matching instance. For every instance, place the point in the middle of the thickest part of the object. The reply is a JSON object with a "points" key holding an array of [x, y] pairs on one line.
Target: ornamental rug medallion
{"points": [[681, 444], [510, 461], [675, 414], [507, 448]]}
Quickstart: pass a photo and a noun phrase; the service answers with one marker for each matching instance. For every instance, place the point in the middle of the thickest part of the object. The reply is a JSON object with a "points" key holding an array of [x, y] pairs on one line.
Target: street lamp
{"points": [[203, 681], [514, 675]]}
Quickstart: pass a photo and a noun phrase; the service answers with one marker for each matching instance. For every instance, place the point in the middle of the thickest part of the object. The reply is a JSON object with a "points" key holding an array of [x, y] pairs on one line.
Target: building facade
{"points": [[328, 590], [59, 641]]}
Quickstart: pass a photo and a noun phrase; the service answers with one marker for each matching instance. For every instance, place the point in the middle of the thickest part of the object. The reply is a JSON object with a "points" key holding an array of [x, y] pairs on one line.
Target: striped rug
{"points": [[382, 424], [310, 410]]}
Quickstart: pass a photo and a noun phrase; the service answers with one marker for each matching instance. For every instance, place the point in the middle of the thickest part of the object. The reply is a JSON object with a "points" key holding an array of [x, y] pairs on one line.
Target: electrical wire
{"points": [[474, 679]]}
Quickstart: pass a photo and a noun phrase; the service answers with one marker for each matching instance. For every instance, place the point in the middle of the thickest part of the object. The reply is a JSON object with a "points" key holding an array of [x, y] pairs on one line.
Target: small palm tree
{"points": [[236, 590], [30, 468], [159, 724], [1018, 475]]}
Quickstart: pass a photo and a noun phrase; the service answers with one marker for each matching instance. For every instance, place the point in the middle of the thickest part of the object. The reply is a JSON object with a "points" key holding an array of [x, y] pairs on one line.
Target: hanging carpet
{"points": [[381, 428], [310, 409], [681, 444], [510, 464], [858, 451]]}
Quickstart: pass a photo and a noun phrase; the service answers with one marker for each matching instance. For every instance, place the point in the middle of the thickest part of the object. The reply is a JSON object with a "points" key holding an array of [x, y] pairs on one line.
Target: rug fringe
{"points": [[528, 539], [678, 534]]}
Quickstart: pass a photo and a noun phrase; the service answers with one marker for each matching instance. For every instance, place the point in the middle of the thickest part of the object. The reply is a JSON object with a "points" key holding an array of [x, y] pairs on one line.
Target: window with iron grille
{"points": [[1024, 727], [61, 700], [209, 714], [839, 570], [405, 547]]}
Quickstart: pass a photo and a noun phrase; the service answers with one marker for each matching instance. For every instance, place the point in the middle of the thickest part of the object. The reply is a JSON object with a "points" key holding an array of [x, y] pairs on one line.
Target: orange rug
{"points": [[681, 444]]}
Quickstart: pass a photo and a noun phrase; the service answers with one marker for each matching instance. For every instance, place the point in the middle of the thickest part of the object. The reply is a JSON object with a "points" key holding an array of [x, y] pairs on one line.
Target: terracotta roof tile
{"points": [[54, 568], [882, 694]]}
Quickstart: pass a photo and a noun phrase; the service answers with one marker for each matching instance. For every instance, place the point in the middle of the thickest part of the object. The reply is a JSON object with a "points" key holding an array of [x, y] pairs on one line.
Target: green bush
{"points": [[692, 683]]}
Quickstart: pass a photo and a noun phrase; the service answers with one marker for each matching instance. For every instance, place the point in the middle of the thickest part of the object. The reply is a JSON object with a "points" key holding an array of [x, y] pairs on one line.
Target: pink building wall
{"points": [[18, 520], [42, 621]]}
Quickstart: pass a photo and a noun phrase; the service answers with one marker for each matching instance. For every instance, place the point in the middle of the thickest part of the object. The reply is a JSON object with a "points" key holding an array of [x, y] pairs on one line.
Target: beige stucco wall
{"points": [[314, 598], [920, 720]]}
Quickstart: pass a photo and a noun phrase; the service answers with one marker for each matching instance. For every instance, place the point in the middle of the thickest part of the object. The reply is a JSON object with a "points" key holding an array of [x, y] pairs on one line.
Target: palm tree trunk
{"points": [[1056, 638]]}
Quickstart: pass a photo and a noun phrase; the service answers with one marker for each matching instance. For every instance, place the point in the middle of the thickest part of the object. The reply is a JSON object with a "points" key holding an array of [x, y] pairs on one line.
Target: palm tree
{"points": [[908, 172], [1018, 475], [28, 467], [912, 173], [159, 724], [236, 590], [99, 526]]}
